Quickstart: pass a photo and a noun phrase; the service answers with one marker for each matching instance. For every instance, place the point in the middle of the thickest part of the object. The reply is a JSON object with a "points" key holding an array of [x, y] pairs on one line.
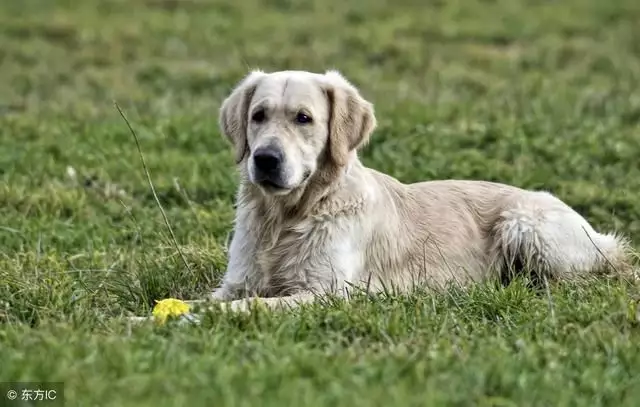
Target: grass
{"points": [[535, 94]]}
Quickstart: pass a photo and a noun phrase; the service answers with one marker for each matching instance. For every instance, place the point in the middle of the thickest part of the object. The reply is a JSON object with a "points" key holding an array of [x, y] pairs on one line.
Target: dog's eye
{"points": [[303, 118], [258, 116]]}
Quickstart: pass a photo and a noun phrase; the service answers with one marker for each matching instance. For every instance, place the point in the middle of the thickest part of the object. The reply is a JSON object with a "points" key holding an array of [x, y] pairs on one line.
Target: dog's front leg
{"points": [[241, 274], [271, 303]]}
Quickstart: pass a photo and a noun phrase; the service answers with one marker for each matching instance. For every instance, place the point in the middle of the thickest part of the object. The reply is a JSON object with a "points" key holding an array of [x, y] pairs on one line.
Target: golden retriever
{"points": [[311, 219]]}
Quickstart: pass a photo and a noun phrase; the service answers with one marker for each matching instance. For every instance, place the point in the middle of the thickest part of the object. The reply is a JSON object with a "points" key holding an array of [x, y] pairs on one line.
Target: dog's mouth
{"points": [[272, 186], [277, 188]]}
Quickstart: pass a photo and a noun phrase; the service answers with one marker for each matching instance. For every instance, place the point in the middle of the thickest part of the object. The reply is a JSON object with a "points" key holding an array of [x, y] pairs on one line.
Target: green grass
{"points": [[538, 94]]}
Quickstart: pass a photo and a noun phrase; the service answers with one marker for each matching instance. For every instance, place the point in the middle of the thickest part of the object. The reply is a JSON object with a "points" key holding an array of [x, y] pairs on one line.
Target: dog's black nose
{"points": [[267, 159]]}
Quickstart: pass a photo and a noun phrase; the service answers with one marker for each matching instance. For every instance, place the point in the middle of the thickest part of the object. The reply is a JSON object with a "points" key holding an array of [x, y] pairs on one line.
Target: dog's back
{"points": [[460, 231]]}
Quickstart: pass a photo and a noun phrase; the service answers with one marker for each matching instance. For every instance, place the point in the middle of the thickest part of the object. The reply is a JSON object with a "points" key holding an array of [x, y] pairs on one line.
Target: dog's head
{"points": [[286, 125]]}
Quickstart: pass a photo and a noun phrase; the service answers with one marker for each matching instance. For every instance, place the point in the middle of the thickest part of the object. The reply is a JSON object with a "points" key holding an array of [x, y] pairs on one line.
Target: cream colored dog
{"points": [[312, 219]]}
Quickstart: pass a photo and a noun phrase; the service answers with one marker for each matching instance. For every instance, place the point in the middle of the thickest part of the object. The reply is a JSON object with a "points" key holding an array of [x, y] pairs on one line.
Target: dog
{"points": [[312, 220]]}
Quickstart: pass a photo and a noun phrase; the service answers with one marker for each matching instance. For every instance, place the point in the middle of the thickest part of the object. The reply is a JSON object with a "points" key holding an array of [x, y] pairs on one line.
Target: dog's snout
{"points": [[268, 159]]}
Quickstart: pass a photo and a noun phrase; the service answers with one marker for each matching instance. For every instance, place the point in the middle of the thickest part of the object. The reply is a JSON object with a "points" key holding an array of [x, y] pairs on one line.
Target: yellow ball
{"points": [[169, 307]]}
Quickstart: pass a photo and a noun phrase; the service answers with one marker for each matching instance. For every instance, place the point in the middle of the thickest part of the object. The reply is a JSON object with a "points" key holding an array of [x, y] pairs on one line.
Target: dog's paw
{"points": [[243, 305], [220, 294]]}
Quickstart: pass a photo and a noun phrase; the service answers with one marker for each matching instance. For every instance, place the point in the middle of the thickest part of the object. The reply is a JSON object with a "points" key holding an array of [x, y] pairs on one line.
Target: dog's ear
{"points": [[351, 120], [234, 112]]}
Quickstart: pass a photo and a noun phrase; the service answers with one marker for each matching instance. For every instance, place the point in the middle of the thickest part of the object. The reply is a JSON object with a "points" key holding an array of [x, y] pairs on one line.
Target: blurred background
{"points": [[540, 94]]}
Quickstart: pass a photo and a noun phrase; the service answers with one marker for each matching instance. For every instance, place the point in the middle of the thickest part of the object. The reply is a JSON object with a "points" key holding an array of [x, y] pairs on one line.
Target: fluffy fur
{"points": [[331, 223]]}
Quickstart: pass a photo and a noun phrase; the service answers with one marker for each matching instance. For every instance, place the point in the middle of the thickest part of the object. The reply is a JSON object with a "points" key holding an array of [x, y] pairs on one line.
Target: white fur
{"points": [[351, 225]]}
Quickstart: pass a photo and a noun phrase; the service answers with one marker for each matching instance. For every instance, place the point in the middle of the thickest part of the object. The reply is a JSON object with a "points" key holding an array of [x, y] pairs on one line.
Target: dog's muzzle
{"points": [[268, 164]]}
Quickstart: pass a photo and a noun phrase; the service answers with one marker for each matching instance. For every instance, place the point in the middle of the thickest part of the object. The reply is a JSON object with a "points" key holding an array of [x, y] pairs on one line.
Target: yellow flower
{"points": [[169, 307]]}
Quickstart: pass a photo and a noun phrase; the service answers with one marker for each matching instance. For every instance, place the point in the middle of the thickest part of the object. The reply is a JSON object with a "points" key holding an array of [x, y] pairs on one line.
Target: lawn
{"points": [[539, 94]]}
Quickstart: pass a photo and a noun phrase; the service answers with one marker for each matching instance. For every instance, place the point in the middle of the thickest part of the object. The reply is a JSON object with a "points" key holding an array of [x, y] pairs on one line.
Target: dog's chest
{"points": [[308, 254]]}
